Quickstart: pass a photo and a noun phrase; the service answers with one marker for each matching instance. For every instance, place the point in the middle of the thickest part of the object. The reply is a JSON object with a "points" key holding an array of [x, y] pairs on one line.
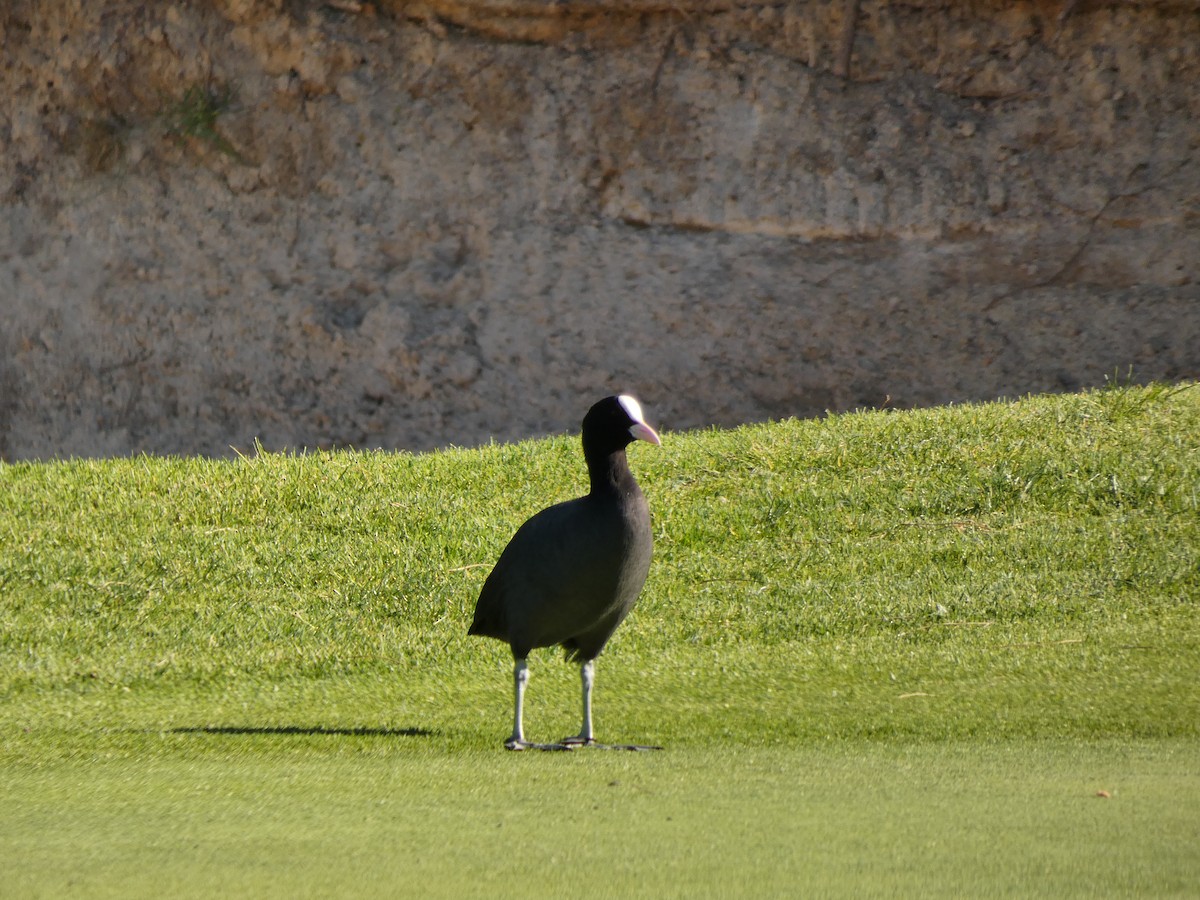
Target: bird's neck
{"points": [[610, 475]]}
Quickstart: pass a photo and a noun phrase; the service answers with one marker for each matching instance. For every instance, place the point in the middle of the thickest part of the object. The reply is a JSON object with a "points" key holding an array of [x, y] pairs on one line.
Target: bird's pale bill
{"points": [[639, 429]]}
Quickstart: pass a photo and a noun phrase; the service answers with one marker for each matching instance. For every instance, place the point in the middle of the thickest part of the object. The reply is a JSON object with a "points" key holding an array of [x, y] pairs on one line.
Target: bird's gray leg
{"points": [[587, 678], [520, 679]]}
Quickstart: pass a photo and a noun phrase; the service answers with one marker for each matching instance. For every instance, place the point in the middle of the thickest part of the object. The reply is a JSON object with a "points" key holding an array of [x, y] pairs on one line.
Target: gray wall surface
{"points": [[410, 225]]}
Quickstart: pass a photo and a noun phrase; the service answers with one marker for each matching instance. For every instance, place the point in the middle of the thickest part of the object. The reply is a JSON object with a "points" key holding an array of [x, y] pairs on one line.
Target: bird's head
{"points": [[614, 423]]}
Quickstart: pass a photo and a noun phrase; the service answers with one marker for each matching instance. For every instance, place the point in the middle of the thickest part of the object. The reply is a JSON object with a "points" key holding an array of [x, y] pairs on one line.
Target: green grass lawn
{"points": [[952, 652]]}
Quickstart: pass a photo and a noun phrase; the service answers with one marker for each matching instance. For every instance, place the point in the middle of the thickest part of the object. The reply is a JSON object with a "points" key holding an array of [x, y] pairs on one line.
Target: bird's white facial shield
{"points": [[639, 429]]}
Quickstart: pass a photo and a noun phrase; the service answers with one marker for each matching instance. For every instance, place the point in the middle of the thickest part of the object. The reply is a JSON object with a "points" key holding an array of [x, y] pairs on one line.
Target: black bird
{"points": [[572, 572]]}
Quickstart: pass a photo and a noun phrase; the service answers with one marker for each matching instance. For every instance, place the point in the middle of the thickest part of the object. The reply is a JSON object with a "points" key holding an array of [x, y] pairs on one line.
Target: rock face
{"points": [[408, 224]]}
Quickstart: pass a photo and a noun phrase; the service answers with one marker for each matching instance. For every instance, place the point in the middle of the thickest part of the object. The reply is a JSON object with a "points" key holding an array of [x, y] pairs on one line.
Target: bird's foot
{"points": [[572, 743], [518, 744]]}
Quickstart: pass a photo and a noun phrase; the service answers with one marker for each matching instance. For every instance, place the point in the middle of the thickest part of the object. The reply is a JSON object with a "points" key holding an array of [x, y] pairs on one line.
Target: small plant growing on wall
{"points": [[193, 117]]}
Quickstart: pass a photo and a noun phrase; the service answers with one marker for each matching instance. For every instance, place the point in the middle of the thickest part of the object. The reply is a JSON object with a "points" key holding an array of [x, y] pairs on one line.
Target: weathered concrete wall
{"points": [[411, 224]]}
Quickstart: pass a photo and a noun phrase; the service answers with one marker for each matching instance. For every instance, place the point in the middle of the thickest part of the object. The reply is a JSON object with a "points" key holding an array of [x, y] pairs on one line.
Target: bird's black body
{"points": [[570, 574], [573, 571]]}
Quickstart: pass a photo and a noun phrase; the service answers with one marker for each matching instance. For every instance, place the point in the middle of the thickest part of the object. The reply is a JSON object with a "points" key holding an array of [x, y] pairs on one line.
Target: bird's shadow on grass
{"points": [[305, 730]]}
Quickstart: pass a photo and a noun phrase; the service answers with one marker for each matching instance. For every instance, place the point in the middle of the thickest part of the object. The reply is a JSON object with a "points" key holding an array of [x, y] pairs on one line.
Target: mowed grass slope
{"points": [[885, 652]]}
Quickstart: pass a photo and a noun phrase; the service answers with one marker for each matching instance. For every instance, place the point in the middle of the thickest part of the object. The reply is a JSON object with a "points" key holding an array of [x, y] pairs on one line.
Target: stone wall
{"points": [[412, 224]]}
